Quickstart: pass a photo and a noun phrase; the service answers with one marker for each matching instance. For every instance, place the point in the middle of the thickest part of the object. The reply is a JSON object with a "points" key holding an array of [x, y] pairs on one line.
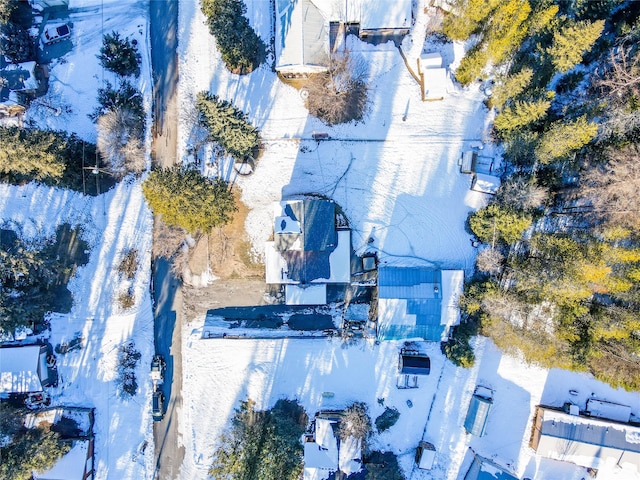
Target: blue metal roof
{"points": [[477, 415], [416, 285]]}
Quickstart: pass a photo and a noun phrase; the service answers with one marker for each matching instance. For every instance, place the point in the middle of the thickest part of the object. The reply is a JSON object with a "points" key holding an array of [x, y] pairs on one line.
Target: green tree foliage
{"points": [[6, 9], [119, 55], [457, 348], [571, 42], [30, 154], [472, 65], [33, 449], [387, 419], [16, 43], [511, 86], [381, 466], [262, 445], [521, 114], [241, 48], [468, 19], [542, 19], [506, 28], [563, 138], [126, 97], [227, 125], [188, 200], [495, 224], [28, 277]]}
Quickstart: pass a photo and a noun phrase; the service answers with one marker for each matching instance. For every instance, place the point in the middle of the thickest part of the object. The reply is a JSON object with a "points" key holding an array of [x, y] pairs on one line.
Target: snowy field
{"points": [[111, 224]]}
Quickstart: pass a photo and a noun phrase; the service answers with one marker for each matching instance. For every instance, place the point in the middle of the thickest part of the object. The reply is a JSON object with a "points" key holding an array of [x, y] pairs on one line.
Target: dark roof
{"points": [[414, 364], [317, 220], [304, 267], [477, 415]]}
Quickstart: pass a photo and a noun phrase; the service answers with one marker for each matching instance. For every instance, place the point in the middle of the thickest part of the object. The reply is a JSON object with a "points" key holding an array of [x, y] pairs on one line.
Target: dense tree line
{"points": [[188, 200], [557, 274], [241, 48]]}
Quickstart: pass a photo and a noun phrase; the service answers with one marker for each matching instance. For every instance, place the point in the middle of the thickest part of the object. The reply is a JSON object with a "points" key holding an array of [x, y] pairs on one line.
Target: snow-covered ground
{"points": [[397, 178], [111, 223], [395, 175]]}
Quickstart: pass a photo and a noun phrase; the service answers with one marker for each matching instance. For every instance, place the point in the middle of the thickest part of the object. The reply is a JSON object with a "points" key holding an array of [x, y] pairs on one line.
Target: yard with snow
{"points": [[396, 177]]}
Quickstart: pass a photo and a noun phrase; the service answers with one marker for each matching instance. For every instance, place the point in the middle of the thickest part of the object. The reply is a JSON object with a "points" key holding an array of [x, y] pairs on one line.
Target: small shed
{"points": [[476, 421], [414, 364], [484, 183], [425, 455], [434, 76]]}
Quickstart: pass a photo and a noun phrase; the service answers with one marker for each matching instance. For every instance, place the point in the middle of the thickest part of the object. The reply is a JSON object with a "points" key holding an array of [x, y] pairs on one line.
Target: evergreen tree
{"points": [[30, 154], [521, 114], [33, 449], [241, 48], [468, 18], [188, 200], [227, 125], [472, 65], [572, 42], [494, 224], [506, 28], [125, 97], [16, 43], [119, 55], [510, 87], [564, 138], [6, 9]]}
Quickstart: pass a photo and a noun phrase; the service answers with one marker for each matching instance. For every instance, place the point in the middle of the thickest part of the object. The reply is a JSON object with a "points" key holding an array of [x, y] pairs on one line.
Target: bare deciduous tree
{"points": [[339, 95], [490, 260], [614, 189], [355, 422], [522, 193], [120, 143]]}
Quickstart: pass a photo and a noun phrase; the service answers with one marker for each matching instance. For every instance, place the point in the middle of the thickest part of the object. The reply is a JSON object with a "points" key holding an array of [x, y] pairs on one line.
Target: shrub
{"points": [[188, 200], [387, 419], [340, 94], [128, 358], [120, 142], [129, 263], [241, 48], [119, 55], [127, 299], [228, 126]]}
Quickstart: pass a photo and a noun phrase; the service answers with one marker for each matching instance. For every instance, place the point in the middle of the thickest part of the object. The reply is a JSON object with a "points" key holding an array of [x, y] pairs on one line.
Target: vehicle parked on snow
{"points": [[55, 33]]}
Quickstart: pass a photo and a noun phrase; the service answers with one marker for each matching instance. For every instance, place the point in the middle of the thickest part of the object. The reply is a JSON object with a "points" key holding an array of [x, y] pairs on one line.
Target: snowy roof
{"points": [[427, 455], [71, 466], [301, 34], [314, 294], [431, 60], [350, 455], [435, 83], [380, 14], [485, 183], [585, 441], [417, 302], [608, 410], [476, 421], [484, 469], [21, 369]]}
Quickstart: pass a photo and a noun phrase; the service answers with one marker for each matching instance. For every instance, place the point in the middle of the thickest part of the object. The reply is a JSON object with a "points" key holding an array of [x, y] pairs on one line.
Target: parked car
{"points": [[55, 33], [157, 405], [157, 370]]}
